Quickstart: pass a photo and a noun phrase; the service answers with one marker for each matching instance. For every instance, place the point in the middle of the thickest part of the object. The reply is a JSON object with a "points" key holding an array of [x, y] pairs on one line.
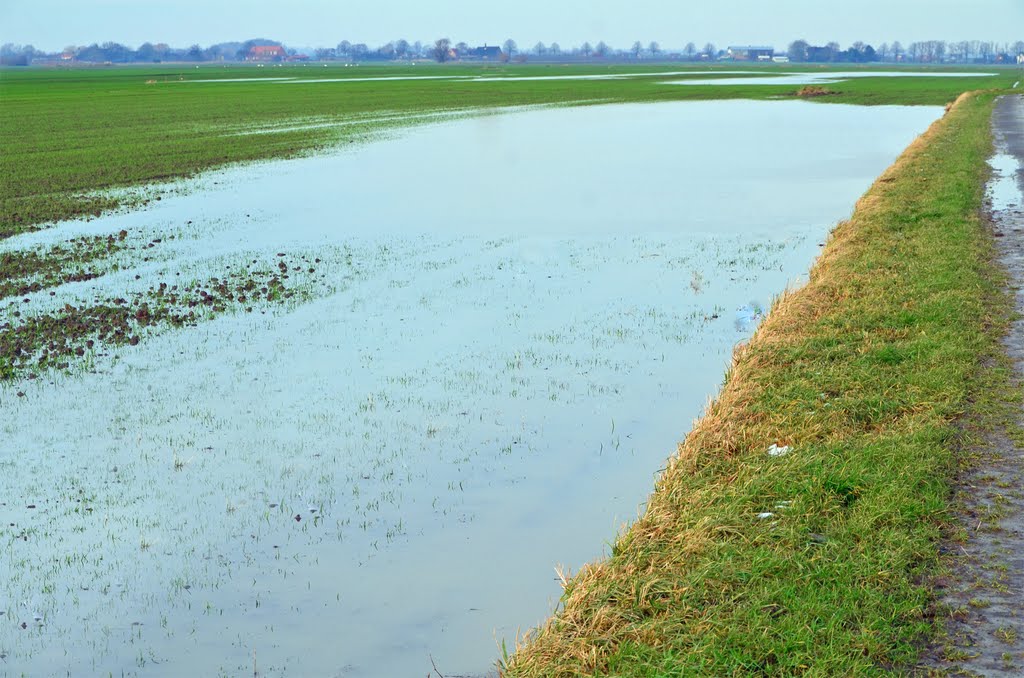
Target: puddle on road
{"points": [[1004, 189], [517, 318]]}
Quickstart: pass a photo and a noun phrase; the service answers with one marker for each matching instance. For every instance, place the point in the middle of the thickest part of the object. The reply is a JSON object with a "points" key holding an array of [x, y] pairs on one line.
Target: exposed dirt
{"points": [[815, 91], [983, 603], [56, 340]]}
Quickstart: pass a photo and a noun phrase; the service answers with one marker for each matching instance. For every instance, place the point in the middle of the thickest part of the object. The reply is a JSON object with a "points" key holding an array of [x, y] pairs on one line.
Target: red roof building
{"points": [[266, 53]]}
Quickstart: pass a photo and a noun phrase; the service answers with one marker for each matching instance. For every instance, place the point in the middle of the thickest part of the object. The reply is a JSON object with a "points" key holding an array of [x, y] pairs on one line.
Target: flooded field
{"points": [[467, 78], [825, 78], [503, 327]]}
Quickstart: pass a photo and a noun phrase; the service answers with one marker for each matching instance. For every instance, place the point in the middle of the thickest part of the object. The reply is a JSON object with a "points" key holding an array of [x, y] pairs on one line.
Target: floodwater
{"points": [[825, 78], [515, 320], [466, 78], [1005, 187]]}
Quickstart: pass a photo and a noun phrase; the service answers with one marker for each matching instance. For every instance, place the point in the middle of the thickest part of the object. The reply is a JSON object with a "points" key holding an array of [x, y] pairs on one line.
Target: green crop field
{"points": [[69, 134]]}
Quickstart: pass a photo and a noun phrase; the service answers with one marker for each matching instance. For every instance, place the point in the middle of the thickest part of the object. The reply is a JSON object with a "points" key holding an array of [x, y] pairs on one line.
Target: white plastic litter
{"points": [[765, 515], [776, 451]]}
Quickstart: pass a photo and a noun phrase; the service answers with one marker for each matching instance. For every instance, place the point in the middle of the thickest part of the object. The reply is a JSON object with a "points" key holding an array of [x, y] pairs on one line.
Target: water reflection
{"points": [[822, 78]]}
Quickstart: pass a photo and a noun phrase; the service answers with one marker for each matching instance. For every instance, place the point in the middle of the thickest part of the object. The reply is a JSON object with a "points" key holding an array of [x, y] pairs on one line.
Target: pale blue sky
{"points": [[53, 24]]}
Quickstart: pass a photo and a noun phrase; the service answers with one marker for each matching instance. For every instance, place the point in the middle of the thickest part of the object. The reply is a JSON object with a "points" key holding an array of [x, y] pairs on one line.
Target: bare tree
{"points": [[962, 50], [510, 47], [586, 49], [690, 50], [710, 50], [602, 49], [441, 50], [654, 48], [637, 47], [797, 50], [985, 51], [555, 48], [540, 49]]}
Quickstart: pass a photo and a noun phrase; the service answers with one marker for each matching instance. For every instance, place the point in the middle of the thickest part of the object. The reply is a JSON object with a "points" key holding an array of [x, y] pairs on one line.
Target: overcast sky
{"points": [[54, 24]]}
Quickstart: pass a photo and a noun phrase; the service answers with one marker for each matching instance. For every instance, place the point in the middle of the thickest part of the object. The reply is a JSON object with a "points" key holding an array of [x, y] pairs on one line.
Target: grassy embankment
{"points": [[863, 373], [67, 134]]}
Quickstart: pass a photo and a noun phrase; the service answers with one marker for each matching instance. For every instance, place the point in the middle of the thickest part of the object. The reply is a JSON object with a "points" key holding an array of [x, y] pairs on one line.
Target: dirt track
{"points": [[984, 600]]}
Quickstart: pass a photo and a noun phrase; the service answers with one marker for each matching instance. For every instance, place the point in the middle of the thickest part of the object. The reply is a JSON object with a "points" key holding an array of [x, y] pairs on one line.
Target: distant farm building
{"points": [[266, 53], [747, 53], [484, 53]]}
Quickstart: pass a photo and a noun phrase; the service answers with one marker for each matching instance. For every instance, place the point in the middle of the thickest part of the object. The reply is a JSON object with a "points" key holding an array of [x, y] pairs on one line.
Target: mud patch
{"points": [[983, 602]]}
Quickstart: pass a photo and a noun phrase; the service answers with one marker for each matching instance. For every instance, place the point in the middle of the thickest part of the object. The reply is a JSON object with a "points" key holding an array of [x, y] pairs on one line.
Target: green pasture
{"points": [[68, 134]]}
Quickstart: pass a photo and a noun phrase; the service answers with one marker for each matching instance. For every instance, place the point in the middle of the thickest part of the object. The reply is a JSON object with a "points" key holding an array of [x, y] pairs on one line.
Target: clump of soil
{"points": [[815, 91], [26, 271], [54, 340]]}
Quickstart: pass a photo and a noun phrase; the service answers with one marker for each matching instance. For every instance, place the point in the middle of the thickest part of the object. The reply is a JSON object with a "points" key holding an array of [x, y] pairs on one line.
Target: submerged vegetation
{"points": [[58, 339], [70, 136], [796, 527], [26, 271]]}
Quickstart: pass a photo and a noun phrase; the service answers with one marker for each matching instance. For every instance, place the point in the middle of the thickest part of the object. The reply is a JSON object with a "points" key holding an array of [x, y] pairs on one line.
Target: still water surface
{"points": [[518, 316], [823, 78]]}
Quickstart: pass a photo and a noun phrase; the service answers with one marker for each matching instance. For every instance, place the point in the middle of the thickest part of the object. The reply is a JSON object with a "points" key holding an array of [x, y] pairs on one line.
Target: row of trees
{"points": [[931, 51], [113, 52]]}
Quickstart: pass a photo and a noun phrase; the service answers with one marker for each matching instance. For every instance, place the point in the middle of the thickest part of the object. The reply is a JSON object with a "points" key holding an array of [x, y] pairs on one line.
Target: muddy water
{"points": [[514, 321]]}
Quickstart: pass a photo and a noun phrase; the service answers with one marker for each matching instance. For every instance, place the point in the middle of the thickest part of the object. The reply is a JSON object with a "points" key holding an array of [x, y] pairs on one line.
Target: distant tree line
{"points": [[444, 49], [926, 52]]}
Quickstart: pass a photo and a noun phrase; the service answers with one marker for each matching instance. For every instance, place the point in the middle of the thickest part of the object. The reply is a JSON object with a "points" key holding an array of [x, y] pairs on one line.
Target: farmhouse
{"points": [[484, 53], [747, 53], [266, 53]]}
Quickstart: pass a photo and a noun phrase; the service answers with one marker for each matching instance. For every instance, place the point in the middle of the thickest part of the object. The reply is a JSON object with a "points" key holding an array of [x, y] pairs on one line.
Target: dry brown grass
{"points": [[810, 91]]}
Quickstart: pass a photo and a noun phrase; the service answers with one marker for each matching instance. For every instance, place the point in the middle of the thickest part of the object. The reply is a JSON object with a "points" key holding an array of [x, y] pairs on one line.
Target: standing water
{"points": [[514, 320]]}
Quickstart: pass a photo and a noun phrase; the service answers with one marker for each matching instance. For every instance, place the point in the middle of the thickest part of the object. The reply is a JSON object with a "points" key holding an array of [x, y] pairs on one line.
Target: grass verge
{"points": [[815, 561]]}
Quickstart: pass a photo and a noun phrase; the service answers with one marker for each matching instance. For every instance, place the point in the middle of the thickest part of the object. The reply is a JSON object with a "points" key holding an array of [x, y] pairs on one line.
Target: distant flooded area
{"points": [[823, 78], [502, 327]]}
